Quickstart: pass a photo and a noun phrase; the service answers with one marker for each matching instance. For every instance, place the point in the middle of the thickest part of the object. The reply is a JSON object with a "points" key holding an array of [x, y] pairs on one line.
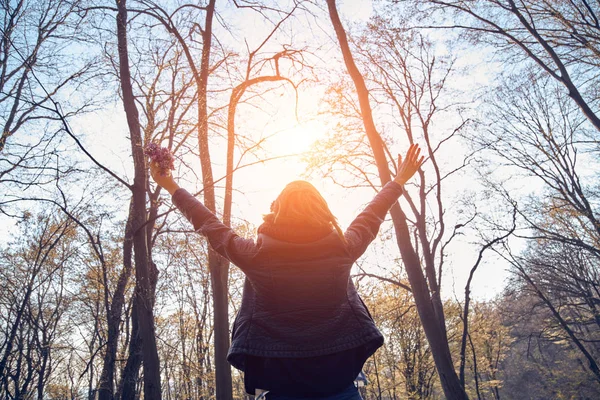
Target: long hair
{"points": [[301, 202]]}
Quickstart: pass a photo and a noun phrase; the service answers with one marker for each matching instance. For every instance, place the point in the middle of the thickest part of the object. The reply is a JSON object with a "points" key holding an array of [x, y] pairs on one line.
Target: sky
{"points": [[259, 185], [105, 134]]}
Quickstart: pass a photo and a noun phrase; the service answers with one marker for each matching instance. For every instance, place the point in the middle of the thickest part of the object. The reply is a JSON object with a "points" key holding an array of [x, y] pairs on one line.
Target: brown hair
{"points": [[301, 201]]}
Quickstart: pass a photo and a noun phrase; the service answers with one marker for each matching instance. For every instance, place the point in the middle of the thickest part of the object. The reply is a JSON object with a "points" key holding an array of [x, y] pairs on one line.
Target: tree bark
{"points": [[431, 316], [130, 374], [143, 266]]}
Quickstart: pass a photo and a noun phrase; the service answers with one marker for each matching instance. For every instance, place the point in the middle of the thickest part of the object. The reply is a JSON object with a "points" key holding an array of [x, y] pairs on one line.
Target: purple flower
{"points": [[161, 156]]}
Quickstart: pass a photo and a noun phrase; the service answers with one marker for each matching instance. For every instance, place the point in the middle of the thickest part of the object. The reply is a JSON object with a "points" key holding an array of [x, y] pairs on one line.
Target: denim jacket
{"points": [[298, 300]]}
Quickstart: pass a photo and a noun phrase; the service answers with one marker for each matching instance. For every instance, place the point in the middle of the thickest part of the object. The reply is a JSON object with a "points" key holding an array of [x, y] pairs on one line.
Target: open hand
{"points": [[412, 162]]}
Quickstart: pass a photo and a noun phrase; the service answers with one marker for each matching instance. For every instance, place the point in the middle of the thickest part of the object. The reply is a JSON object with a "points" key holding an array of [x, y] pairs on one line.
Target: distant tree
{"points": [[33, 274], [539, 362], [404, 367], [564, 280], [489, 342], [187, 331]]}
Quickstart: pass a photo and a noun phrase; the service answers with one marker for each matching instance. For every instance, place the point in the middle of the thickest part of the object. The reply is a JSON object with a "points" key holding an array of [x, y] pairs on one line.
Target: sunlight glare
{"points": [[297, 139], [300, 137]]}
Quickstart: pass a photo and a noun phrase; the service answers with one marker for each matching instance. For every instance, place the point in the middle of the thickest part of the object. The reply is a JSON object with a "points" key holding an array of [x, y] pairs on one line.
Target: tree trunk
{"points": [[143, 265], [107, 377], [134, 360], [431, 317], [218, 267]]}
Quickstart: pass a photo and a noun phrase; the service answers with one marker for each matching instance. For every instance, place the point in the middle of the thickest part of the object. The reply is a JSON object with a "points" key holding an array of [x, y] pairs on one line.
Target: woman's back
{"points": [[298, 299]]}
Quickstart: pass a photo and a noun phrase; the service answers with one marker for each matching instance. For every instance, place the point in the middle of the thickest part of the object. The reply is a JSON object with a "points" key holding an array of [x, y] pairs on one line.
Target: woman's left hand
{"points": [[165, 181], [411, 163]]}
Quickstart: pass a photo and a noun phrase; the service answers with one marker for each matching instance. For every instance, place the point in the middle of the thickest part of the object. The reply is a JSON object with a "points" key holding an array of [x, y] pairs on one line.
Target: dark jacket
{"points": [[299, 300]]}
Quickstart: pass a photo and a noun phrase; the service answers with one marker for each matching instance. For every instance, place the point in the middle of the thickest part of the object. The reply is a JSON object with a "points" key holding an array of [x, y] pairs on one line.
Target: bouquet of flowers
{"points": [[160, 156]]}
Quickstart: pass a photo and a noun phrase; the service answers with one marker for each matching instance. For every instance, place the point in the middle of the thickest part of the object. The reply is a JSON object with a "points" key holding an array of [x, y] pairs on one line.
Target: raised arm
{"points": [[221, 237], [365, 226]]}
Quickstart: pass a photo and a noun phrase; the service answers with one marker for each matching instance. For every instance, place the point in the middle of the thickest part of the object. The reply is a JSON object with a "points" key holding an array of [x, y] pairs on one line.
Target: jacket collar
{"points": [[293, 231]]}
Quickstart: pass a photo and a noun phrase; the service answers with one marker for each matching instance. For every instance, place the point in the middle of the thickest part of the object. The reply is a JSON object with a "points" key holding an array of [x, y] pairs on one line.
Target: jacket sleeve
{"points": [[365, 226], [221, 237]]}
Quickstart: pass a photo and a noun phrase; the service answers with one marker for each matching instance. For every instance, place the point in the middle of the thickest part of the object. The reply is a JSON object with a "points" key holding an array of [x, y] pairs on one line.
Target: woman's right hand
{"points": [[165, 181], [412, 162]]}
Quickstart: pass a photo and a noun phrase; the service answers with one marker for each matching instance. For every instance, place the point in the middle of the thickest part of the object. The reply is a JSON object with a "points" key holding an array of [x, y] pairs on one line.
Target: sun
{"points": [[301, 136], [297, 138]]}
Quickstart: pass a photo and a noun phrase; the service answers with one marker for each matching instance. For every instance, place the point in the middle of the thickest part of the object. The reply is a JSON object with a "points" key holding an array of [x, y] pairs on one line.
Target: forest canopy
{"points": [[484, 277]]}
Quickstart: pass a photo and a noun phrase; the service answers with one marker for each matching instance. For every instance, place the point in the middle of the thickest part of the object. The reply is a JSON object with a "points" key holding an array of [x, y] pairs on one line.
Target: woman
{"points": [[302, 331]]}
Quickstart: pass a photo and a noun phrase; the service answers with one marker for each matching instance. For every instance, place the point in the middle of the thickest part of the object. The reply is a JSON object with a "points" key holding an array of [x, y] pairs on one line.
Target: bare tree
{"points": [[425, 284], [540, 361], [561, 38], [145, 269], [32, 38], [33, 302], [570, 309], [537, 132], [466, 308], [36, 68]]}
